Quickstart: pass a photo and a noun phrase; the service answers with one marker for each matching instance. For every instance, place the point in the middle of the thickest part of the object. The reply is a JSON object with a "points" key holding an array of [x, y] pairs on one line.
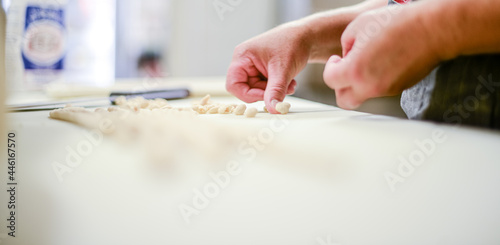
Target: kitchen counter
{"points": [[324, 176]]}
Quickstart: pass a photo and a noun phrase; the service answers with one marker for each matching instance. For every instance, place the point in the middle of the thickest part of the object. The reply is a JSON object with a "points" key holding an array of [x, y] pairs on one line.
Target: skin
{"points": [[451, 28], [264, 67], [371, 50], [376, 59]]}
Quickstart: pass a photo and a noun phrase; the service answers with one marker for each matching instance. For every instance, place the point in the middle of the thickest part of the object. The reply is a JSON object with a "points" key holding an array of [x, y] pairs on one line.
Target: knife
{"points": [[168, 94]]}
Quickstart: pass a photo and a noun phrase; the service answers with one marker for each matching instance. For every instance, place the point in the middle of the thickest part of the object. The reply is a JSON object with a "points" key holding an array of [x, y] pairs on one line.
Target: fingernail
{"points": [[335, 59]]}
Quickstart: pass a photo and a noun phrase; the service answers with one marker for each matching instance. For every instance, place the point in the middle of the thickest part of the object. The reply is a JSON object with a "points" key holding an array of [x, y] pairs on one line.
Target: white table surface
{"points": [[320, 181]]}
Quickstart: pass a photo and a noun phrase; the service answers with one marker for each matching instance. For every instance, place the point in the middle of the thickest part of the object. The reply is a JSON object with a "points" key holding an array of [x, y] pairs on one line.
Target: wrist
{"points": [[440, 21], [324, 32], [325, 28]]}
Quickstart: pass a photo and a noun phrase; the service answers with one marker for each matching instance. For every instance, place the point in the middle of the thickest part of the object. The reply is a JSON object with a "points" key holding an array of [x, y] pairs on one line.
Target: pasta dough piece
{"points": [[225, 109], [283, 107], [213, 110], [251, 112], [77, 115], [202, 110], [240, 110], [205, 100], [171, 130], [121, 100]]}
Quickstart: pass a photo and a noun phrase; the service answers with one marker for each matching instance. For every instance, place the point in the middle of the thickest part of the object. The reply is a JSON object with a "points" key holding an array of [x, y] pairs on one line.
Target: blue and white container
{"points": [[60, 41], [43, 45], [35, 43]]}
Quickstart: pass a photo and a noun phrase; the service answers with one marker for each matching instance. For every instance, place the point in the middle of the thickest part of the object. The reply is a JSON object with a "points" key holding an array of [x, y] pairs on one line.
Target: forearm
{"points": [[325, 29], [461, 27]]}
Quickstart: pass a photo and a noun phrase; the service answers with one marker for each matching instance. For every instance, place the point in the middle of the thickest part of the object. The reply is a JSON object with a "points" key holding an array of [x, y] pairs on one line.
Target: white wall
{"points": [[202, 41]]}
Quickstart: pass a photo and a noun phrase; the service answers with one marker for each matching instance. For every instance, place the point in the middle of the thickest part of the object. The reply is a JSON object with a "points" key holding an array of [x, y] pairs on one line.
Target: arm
{"points": [[412, 41], [264, 67], [326, 28], [462, 27]]}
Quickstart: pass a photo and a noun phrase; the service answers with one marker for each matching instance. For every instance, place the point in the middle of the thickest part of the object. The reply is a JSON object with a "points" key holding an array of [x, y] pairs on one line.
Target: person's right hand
{"points": [[264, 67]]}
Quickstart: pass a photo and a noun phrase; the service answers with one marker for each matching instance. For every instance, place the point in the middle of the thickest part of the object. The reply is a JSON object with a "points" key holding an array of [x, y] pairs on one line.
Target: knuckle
{"points": [[230, 87], [243, 52], [277, 88], [240, 49]]}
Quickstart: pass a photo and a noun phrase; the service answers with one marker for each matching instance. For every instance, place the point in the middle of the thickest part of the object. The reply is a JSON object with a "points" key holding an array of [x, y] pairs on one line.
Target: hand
{"points": [[385, 51], [264, 68]]}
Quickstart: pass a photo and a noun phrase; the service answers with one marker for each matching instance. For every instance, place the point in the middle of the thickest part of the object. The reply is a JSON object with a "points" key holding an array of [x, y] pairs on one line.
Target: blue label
{"points": [[35, 13], [29, 65], [44, 38]]}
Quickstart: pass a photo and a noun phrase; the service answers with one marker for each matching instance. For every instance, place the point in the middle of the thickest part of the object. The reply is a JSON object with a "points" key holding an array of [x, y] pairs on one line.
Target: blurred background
{"points": [[111, 40]]}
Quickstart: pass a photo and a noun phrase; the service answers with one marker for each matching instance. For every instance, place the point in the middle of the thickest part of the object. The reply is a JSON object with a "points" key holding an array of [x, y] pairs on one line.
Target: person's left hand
{"points": [[385, 51]]}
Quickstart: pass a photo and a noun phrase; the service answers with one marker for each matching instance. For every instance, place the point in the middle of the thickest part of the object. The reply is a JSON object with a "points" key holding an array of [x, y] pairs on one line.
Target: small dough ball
{"points": [[211, 106], [120, 100], [224, 109], [112, 109], [283, 107], [144, 104], [161, 102], [231, 108], [205, 100], [265, 110], [202, 110], [213, 110], [153, 106], [196, 108], [240, 110], [251, 112]]}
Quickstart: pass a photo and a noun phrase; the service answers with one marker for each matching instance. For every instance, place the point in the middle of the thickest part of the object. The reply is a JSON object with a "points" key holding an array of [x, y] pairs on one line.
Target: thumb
{"points": [[276, 89], [334, 73], [347, 40]]}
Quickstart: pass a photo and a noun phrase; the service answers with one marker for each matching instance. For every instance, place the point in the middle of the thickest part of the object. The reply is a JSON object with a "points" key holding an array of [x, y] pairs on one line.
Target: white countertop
{"points": [[321, 180]]}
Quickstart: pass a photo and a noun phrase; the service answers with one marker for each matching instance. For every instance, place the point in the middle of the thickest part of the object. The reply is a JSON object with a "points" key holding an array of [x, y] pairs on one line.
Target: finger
{"points": [[292, 87], [345, 99], [247, 94], [235, 75], [347, 40], [237, 83], [349, 98], [334, 73], [257, 83], [255, 94], [277, 85]]}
